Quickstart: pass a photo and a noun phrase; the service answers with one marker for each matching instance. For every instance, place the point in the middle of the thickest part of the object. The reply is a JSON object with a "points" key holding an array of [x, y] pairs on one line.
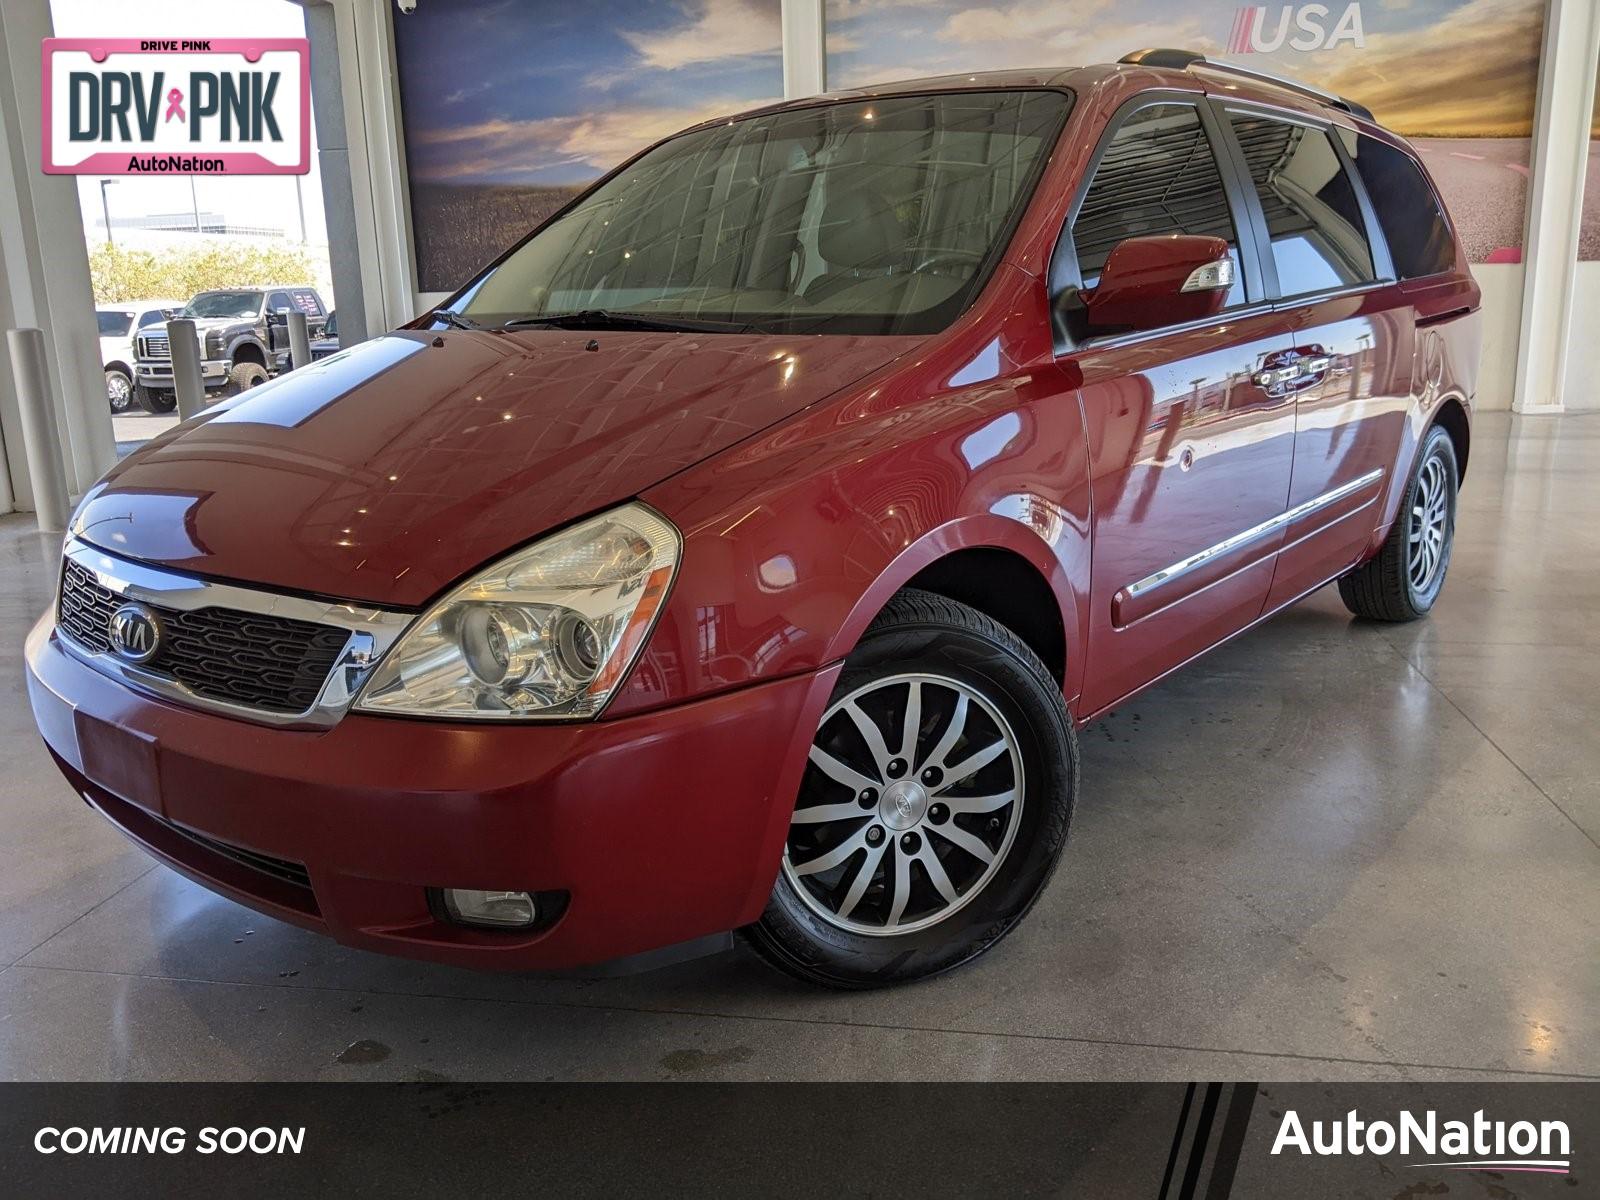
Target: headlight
{"points": [[547, 632]]}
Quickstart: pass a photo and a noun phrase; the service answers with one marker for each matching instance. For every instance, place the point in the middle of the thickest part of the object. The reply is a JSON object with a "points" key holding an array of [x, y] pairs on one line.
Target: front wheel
{"points": [[934, 806], [119, 390], [1403, 580], [244, 376]]}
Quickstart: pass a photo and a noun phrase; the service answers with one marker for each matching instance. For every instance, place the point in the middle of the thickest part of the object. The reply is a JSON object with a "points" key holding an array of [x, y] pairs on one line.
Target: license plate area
{"points": [[123, 761]]}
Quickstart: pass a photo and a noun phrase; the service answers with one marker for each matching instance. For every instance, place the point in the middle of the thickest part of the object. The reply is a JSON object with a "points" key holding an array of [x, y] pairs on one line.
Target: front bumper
{"points": [[663, 827], [158, 374]]}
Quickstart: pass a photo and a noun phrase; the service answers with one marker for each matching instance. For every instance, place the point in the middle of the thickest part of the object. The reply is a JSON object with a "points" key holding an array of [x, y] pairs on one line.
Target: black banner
{"points": [[1162, 1141]]}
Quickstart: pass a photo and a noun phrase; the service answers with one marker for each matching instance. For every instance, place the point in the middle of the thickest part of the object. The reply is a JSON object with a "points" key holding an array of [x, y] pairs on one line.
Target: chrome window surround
{"points": [[371, 632], [1271, 525]]}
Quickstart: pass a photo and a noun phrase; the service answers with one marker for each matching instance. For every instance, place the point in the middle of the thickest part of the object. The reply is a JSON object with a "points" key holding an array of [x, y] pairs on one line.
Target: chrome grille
{"points": [[155, 345], [254, 659]]}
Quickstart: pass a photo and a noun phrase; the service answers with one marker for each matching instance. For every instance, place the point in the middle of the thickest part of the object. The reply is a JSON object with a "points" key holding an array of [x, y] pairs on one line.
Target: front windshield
{"points": [[881, 216], [224, 304], [115, 324]]}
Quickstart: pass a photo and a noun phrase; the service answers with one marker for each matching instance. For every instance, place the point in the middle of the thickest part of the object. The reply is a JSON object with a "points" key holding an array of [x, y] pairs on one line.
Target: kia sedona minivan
{"points": [[742, 549]]}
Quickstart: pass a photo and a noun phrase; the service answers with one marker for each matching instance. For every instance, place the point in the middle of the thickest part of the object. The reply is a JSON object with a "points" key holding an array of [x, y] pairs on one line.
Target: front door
{"points": [[1190, 429], [278, 327]]}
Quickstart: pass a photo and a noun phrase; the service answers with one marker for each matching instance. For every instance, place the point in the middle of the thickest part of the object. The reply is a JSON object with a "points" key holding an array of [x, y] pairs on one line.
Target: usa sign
{"points": [[171, 106]]}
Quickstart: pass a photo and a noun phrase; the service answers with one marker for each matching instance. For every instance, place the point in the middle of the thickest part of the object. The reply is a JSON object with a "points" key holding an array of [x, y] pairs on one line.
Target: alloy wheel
{"points": [[119, 392], [1428, 530], [911, 806]]}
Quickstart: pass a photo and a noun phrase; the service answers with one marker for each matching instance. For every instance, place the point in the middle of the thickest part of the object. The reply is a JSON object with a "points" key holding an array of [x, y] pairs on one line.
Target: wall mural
{"points": [[1458, 77], [1589, 230], [510, 107]]}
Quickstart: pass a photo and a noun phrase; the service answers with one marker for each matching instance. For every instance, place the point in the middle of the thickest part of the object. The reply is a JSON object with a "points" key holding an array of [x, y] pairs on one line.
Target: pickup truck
{"points": [[119, 324], [244, 341]]}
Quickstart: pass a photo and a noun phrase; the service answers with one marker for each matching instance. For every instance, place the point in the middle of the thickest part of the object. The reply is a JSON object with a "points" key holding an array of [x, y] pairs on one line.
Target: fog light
{"points": [[501, 910]]}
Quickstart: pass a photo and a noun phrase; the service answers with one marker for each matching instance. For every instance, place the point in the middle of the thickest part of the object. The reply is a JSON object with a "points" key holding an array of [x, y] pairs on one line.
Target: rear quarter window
{"points": [[1420, 242]]}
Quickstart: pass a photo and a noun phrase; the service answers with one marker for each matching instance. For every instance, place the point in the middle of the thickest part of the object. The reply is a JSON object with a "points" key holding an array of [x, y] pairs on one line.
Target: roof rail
{"points": [[1183, 60]]}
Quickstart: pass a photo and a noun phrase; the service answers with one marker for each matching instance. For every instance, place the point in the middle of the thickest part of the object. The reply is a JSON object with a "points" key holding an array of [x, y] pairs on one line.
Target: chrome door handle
{"points": [[1275, 375]]}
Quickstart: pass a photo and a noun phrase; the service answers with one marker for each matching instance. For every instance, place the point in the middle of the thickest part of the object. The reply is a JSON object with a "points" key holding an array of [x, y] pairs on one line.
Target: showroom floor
{"points": [[1328, 851]]}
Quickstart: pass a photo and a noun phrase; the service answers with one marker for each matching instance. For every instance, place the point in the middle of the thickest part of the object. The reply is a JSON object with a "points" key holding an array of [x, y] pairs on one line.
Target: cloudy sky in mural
{"points": [[571, 88], [1440, 67]]}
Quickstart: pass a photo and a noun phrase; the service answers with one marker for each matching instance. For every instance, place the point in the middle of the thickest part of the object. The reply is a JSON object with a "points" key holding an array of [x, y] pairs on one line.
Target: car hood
{"points": [[213, 322], [388, 471]]}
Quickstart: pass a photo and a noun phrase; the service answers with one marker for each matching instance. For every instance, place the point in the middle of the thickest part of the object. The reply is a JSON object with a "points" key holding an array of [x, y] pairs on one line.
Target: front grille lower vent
{"points": [[278, 868], [272, 663]]}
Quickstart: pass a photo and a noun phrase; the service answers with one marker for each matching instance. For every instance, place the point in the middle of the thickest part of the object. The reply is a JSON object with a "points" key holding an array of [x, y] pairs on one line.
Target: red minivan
{"points": [[743, 548]]}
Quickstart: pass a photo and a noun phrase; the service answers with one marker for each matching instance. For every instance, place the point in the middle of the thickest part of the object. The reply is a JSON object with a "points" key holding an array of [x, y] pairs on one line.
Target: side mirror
{"points": [[278, 316], [1148, 282]]}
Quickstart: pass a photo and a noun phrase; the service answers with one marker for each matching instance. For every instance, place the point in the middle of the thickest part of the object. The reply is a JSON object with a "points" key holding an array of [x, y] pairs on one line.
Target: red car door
{"points": [[1353, 336], [1190, 429]]}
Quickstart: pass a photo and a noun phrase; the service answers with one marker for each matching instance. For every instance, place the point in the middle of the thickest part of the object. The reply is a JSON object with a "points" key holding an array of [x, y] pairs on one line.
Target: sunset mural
{"points": [[1458, 75], [510, 106]]}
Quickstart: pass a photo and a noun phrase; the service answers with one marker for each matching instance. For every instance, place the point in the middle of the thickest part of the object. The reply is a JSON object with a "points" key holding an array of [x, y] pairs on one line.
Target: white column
{"points": [[369, 198], [46, 278], [1555, 201], [805, 57]]}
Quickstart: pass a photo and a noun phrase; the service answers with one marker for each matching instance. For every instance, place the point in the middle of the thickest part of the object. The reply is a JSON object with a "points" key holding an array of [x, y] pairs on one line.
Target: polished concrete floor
{"points": [[1330, 850]]}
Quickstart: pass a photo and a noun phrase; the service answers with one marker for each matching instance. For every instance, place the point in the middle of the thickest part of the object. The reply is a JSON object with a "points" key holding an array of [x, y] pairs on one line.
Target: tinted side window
{"points": [[1158, 175], [1408, 212], [1318, 238], [277, 301], [306, 301], [154, 317]]}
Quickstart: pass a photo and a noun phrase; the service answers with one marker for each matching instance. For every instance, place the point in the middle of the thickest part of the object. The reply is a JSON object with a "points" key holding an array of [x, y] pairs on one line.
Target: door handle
{"points": [[1275, 375], [1305, 368]]}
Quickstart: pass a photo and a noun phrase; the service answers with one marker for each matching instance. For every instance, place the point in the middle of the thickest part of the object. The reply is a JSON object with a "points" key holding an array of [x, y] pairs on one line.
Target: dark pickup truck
{"points": [[244, 341]]}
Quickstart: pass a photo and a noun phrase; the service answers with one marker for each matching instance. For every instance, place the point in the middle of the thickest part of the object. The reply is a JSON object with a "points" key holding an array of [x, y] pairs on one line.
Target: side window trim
{"points": [[1064, 273], [1246, 200], [1377, 245]]}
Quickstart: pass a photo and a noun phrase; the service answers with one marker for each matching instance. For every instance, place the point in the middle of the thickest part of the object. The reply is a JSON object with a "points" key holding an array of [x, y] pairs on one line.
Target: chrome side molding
{"points": [[1288, 517]]}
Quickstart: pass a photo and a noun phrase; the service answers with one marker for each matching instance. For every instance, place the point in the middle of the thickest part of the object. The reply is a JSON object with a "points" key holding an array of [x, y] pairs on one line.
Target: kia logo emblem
{"points": [[135, 633]]}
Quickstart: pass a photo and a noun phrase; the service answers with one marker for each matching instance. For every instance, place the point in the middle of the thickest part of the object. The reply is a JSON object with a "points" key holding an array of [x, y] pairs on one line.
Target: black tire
{"points": [[159, 401], [1386, 587], [941, 642], [245, 376], [119, 389]]}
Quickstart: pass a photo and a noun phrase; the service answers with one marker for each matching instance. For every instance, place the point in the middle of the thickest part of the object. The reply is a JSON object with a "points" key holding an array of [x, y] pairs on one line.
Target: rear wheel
{"points": [[156, 400], [1403, 580], [934, 806]]}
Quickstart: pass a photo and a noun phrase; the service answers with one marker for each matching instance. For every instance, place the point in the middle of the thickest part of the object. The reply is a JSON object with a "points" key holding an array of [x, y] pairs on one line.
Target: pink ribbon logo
{"points": [[175, 105]]}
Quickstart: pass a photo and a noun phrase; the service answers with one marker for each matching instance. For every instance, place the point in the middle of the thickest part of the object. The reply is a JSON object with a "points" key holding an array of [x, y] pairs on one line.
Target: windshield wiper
{"points": [[455, 319], [600, 318]]}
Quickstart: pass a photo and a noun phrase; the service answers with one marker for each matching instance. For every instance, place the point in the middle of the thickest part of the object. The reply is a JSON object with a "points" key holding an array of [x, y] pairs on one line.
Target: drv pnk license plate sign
{"points": [[175, 106]]}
